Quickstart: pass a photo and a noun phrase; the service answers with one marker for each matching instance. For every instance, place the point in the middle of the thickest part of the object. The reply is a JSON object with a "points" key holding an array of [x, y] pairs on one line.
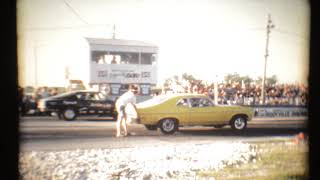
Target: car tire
{"points": [[69, 114], [168, 126], [151, 127], [238, 123]]}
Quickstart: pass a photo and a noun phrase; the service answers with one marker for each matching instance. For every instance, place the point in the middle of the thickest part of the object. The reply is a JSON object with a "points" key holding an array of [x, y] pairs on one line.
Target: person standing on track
{"points": [[121, 103]]}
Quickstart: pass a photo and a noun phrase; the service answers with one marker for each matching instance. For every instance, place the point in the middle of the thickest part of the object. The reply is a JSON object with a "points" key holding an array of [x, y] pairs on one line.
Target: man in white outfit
{"points": [[121, 103]]}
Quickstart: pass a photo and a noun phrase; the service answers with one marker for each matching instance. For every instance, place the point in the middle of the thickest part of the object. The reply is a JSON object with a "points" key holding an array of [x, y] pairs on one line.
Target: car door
{"points": [[93, 103], [204, 112], [100, 103], [83, 102], [182, 111]]}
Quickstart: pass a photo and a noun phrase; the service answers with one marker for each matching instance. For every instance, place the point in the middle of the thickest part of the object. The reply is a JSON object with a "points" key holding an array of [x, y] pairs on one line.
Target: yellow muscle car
{"points": [[170, 111]]}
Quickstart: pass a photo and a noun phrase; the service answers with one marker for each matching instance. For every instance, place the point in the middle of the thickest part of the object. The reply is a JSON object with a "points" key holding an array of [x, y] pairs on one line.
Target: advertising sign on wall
{"points": [[115, 89], [145, 89], [281, 112], [123, 73]]}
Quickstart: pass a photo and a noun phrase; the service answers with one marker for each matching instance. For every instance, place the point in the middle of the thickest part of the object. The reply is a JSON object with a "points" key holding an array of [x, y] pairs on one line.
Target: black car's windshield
{"points": [[63, 95], [102, 96]]}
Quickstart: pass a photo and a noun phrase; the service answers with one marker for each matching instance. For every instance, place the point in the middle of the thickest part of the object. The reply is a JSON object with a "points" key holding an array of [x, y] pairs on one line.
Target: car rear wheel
{"points": [[239, 123], [151, 127], [69, 114], [168, 126]]}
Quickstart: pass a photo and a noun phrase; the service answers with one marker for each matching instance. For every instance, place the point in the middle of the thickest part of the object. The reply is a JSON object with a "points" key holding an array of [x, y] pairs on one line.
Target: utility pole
{"points": [[270, 25], [35, 53], [114, 32]]}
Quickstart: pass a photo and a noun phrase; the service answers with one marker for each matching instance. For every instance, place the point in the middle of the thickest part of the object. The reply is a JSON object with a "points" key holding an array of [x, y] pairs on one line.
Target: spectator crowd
{"points": [[28, 98], [228, 93], [250, 94]]}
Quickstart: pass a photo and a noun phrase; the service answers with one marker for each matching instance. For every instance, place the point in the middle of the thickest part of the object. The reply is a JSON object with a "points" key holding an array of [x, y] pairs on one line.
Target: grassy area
{"points": [[275, 160]]}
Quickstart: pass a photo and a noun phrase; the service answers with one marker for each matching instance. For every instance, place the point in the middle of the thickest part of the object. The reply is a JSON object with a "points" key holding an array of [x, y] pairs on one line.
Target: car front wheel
{"points": [[168, 126], [239, 123], [69, 114]]}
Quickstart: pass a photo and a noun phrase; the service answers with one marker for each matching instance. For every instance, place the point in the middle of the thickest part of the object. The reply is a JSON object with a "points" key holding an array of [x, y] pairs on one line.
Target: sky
{"points": [[207, 38]]}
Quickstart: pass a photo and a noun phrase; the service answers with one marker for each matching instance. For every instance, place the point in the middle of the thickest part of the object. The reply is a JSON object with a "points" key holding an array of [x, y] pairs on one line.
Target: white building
{"points": [[114, 64], [104, 64]]}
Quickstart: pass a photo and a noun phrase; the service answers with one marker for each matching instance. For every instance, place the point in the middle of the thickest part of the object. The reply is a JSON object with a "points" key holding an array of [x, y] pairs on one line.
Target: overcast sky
{"points": [[204, 38]]}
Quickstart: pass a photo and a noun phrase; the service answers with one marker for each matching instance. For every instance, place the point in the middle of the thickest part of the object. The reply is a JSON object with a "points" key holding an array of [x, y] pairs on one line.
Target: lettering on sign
{"points": [[129, 75], [132, 75], [102, 73], [101, 105], [281, 112], [69, 102], [145, 74]]}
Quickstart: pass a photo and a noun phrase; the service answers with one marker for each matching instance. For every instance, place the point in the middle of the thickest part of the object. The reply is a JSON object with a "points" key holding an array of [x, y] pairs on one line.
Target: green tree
{"points": [[235, 77], [272, 80], [246, 79], [269, 80], [189, 78], [230, 78]]}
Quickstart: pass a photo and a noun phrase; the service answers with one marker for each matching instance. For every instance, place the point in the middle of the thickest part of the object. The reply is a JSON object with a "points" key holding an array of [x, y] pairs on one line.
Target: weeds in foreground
{"points": [[275, 160]]}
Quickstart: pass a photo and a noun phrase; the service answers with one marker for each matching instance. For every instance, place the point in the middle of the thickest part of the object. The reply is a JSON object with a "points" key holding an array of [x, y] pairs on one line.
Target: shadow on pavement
{"points": [[250, 132]]}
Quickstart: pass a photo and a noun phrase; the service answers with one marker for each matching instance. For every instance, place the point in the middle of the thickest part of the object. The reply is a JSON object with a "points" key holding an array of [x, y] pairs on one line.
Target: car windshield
{"points": [[154, 101], [101, 96], [63, 95]]}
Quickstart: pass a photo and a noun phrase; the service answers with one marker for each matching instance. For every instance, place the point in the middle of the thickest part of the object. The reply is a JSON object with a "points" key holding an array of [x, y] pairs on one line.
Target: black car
{"points": [[72, 104]]}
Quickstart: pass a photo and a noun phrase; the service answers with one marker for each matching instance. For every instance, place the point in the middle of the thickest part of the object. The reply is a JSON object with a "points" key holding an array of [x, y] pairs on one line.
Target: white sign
{"points": [[123, 73], [281, 112], [145, 89], [115, 89]]}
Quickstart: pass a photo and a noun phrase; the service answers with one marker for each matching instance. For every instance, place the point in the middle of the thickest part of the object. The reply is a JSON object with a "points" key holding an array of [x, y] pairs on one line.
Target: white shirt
{"points": [[126, 98]]}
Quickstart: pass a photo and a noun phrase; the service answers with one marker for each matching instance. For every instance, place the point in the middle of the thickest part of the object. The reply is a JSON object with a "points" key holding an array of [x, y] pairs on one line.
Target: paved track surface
{"points": [[50, 134]]}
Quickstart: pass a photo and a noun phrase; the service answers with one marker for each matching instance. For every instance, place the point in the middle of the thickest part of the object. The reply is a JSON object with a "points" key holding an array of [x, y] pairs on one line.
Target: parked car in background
{"points": [[76, 103], [170, 111]]}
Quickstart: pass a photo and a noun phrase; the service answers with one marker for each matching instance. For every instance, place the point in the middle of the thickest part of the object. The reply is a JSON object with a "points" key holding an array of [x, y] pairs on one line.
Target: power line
{"points": [[63, 27], [291, 33], [74, 11]]}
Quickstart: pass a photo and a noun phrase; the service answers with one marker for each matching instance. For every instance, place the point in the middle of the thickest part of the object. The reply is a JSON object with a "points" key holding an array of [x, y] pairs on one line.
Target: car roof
{"points": [[85, 91], [71, 93]]}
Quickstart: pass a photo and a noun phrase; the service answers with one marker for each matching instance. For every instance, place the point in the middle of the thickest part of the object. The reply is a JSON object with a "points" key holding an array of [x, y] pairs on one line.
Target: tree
{"points": [[230, 78], [246, 79], [269, 81], [235, 77], [189, 78], [272, 80]]}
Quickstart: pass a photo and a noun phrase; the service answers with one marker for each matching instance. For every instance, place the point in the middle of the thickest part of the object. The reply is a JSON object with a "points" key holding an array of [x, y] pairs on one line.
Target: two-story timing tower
{"points": [[115, 63]]}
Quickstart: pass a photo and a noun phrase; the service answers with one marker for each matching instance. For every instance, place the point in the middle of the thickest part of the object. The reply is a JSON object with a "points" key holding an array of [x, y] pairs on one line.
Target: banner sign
{"points": [[123, 73], [115, 89], [145, 89], [281, 111]]}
